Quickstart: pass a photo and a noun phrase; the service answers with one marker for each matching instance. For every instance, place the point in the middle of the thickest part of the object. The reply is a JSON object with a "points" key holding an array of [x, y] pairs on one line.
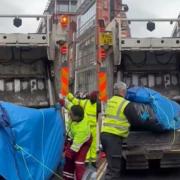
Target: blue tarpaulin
{"points": [[167, 111], [31, 142]]}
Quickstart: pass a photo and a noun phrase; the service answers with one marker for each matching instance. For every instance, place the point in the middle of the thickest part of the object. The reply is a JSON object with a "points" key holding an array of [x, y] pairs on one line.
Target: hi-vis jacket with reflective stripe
{"points": [[115, 122], [89, 108], [79, 132]]}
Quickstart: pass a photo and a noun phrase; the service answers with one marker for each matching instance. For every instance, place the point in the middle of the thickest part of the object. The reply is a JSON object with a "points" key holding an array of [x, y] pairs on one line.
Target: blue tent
{"points": [[31, 142], [167, 112]]}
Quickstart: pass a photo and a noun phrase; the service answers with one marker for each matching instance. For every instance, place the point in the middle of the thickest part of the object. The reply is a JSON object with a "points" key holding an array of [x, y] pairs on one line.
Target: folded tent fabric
{"points": [[38, 135], [142, 117], [167, 112]]}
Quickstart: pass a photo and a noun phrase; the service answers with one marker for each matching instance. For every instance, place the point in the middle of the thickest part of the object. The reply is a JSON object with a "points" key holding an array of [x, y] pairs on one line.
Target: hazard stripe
{"points": [[64, 80], [65, 71], [102, 86]]}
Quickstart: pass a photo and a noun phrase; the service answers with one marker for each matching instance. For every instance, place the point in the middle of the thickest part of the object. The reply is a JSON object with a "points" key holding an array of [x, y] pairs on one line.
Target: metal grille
{"points": [[86, 80]]}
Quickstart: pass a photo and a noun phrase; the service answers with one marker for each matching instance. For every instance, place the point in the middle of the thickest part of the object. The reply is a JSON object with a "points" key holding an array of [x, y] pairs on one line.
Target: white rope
{"points": [[42, 140], [38, 161], [26, 166], [174, 134]]}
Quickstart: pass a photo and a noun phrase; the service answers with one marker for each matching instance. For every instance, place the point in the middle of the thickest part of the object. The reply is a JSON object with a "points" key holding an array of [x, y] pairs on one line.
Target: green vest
{"points": [[89, 108], [79, 132], [115, 122]]}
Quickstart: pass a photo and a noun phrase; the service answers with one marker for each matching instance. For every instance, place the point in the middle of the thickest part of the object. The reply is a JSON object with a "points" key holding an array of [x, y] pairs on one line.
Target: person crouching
{"points": [[77, 144]]}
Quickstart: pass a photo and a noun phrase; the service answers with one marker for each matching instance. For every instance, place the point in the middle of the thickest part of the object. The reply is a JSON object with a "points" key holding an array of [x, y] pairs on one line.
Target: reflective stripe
{"points": [[69, 139], [91, 160], [69, 175], [116, 126], [85, 104], [76, 147], [92, 126], [120, 107], [79, 162], [92, 115], [72, 98], [116, 117]]}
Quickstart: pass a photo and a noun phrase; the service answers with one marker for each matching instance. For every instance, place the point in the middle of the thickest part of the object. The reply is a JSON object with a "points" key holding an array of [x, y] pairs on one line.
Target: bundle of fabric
{"points": [[31, 142], [142, 117], [153, 110]]}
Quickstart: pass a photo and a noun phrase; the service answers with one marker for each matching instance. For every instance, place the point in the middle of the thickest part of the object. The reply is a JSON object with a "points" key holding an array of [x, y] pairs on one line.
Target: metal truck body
{"points": [[30, 63], [153, 63]]}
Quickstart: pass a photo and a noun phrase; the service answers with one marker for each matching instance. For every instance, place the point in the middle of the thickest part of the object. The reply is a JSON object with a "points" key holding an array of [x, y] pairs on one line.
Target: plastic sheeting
{"points": [[142, 117], [167, 112], [31, 142]]}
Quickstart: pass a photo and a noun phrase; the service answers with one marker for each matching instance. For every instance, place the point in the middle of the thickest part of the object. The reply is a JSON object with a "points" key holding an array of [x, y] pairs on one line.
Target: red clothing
{"points": [[76, 164]]}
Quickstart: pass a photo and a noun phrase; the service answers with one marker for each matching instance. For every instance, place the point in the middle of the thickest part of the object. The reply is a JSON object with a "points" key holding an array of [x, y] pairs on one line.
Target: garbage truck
{"points": [[28, 63], [31, 128], [145, 62], [34, 69]]}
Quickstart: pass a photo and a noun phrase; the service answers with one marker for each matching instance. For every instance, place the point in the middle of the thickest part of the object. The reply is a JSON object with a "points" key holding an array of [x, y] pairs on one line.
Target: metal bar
{"points": [[55, 7], [22, 16], [47, 29], [50, 89], [22, 44], [75, 83], [145, 20], [67, 13], [88, 24], [149, 49]]}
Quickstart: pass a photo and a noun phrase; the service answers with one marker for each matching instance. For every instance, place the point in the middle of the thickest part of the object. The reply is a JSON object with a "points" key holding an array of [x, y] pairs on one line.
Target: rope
{"points": [[43, 140], [11, 141], [174, 127], [39, 162], [26, 166], [174, 134]]}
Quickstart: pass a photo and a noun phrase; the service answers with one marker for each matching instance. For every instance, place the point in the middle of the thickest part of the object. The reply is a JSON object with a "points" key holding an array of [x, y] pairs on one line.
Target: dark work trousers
{"points": [[112, 146], [77, 165]]}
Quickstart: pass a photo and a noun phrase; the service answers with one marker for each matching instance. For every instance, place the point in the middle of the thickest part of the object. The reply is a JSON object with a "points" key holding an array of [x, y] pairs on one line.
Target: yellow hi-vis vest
{"points": [[115, 122], [89, 108], [79, 132]]}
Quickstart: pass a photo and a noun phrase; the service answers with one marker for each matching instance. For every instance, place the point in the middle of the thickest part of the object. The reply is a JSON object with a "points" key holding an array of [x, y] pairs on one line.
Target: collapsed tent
{"points": [[142, 117], [166, 112], [31, 142]]}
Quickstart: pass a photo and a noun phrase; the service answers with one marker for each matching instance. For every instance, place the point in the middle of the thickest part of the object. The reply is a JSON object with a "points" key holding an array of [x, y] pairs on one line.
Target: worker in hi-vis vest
{"points": [[90, 109], [78, 142], [115, 127]]}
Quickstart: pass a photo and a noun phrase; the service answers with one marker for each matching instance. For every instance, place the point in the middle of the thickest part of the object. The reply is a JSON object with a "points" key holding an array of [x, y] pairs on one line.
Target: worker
{"points": [[77, 144], [90, 108], [115, 127], [77, 94]]}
